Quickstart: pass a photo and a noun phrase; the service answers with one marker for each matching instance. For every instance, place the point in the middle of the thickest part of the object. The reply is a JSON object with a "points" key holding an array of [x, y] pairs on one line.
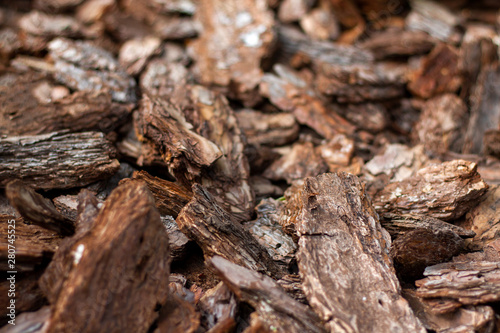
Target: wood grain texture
{"points": [[218, 232], [343, 258], [113, 277], [57, 160]]}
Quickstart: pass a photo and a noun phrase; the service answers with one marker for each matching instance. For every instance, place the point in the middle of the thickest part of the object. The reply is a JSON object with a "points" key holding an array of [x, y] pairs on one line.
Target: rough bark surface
{"points": [[339, 229], [57, 160], [444, 191], [218, 232], [92, 279], [277, 311]]}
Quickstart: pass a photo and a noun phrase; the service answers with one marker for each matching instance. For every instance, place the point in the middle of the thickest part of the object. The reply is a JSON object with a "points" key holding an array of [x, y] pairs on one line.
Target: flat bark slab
{"points": [[218, 232], [451, 285], [276, 310], [37, 209], [400, 224], [294, 92], [22, 94], [267, 230], [441, 123], [178, 242], [434, 19], [93, 278], [444, 191], [57, 160], [178, 316], [340, 237], [34, 244], [85, 67], [230, 50], [439, 73], [479, 318], [397, 43]]}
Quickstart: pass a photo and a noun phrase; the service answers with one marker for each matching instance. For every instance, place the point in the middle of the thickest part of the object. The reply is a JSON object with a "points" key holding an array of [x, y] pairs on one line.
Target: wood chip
{"points": [[218, 232], [57, 160], [444, 191], [339, 229], [441, 123], [90, 282], [229, 51], [37, 209], [277, 311], [467, 283]]}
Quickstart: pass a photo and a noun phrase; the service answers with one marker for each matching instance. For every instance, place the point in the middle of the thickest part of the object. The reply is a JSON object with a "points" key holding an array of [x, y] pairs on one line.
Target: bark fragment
{"points": [[444, 191], [90, 281], [57, 160], [339, 236], [37, 209], [451, 285], [229, 51], [218, 232], [170, 197], [439, 73], [277, 311]]}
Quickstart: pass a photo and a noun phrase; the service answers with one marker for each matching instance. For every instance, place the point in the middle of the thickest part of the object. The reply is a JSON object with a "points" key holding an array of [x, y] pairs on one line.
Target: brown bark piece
{"points": [[83, 66], [466, 319], [37, 209], [33, 244], [170, 197], [396, 43], [434, 19], [359, 83], [163, 78], [269, 233], [218, 232], [67, 205], [491, 143], [439, 73], [484, 219], [466, 283], [340, 236], [420, 248], [485, 109], [202, 142], [56, 5], [477, 52], [45, 25], [398, 225], [321, 23], [444, 191], [441, 124], [177, 240], [94, 284], [219, 308], [337, 152], [291, 92], [88, 209], [22, 95], [178, 316], [302, 161], [277, 311], [236, 36], [57, 160], [260, 128], [293, 10], [134, 54]]}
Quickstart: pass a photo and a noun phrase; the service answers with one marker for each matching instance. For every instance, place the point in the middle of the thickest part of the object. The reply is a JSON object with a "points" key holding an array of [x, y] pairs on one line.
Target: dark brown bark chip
{"points": [[57, 160], [113, 277], [218, 232]]}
